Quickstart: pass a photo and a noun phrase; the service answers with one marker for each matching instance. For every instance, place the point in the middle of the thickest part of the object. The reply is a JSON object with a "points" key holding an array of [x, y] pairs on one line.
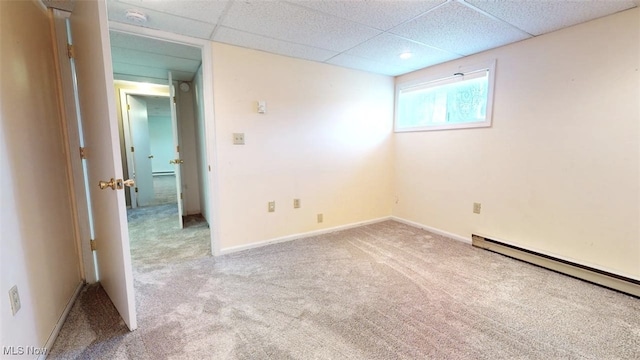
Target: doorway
{"points": [[159, 90], [90, 107]]}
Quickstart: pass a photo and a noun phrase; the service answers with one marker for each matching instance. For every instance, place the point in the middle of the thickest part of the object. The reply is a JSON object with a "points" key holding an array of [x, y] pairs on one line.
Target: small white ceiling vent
{"points": [[136, 16]]}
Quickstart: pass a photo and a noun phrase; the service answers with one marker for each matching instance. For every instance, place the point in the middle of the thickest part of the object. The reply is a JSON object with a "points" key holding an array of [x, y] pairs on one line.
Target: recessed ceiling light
{"points": [[136, 16], [406, 55]]}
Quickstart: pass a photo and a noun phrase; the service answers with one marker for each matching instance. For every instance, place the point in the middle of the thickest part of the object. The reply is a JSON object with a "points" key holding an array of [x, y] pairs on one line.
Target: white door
{"points": [[139, 129], [98, 108], [177, 161]]}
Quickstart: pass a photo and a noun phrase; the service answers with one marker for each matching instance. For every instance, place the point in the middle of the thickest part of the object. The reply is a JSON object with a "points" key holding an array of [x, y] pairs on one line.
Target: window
{"points": [[458, 100]]}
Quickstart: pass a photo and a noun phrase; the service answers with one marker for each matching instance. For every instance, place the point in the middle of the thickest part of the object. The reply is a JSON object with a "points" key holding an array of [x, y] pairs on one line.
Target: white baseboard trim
{"points": [[433, 230], [61, 320], [233, 249]]}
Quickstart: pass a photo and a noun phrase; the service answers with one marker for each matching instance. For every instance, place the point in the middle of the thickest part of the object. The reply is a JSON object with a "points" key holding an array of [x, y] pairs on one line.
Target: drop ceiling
{"points": [[367, 35]]}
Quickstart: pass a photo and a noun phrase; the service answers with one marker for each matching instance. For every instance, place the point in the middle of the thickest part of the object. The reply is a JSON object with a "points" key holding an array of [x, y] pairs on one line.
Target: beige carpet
{"points": [[382, 291]]}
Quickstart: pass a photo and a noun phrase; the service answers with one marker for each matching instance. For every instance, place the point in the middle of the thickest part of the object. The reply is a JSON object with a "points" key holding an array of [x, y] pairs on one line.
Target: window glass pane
{"points": [[451, 101]]}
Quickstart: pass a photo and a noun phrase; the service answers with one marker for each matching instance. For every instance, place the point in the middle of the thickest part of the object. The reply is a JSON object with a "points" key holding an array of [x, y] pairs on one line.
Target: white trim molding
{"points": [[433, 230], [298, 236], [65, 313]]}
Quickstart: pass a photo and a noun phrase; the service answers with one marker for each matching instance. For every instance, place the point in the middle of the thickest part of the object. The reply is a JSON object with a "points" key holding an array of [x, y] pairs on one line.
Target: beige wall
{"points": [[559, 170], [325, 139], [37, 240]]}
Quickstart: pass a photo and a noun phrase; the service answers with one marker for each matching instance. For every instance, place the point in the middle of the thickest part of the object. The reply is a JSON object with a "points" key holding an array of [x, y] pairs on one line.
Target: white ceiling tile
{"points": [[205, 11], [457, 28], [252, 41], [539, 17], [161, 21], [386, 48], [350, 32], [360, 63], [379, 14], [296, 24], [148, 45]]}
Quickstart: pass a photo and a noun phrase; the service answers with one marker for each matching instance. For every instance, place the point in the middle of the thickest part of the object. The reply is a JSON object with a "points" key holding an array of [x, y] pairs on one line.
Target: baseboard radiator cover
{"points": [[600, 277]]}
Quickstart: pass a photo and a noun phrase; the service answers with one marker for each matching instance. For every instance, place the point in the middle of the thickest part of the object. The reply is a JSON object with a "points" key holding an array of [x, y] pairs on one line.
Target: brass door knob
{"points": [[129, 183], [105, 184]]}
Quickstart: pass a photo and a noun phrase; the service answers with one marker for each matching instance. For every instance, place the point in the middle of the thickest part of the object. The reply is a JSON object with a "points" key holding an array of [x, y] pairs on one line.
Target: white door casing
{"points": [[98, 106], [207, 95]]}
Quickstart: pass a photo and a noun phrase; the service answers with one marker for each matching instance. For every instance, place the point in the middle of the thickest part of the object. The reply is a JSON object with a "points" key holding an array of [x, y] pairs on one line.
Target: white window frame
{"points": [[439, 79]]}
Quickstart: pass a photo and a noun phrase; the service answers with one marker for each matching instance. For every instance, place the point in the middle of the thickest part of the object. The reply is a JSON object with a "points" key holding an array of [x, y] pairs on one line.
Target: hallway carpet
{"points": [[381, 291]]}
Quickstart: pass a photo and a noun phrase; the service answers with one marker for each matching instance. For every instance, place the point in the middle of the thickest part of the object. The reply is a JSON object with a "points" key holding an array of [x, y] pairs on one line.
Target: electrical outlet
{"points": [[15, 299], [238, 138], [296, 203], [272, 206], [320, 218], [476, 208]]}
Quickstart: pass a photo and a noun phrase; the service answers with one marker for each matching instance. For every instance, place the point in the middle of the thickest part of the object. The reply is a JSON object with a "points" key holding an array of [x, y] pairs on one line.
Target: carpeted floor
{"points": [[382, 291]]}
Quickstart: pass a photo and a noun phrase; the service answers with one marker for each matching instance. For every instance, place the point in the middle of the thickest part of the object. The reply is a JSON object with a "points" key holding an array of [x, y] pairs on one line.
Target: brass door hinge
{"points": [[180, 196], [71, 53], [132, 149], [174, 100], [128, 107], [178, 148], [83, 153], [93, 245]]}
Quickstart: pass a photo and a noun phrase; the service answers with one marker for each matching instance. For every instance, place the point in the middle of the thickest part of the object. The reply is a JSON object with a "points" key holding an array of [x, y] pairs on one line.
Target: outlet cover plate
{"points": [[14, 297], [238, 138]]}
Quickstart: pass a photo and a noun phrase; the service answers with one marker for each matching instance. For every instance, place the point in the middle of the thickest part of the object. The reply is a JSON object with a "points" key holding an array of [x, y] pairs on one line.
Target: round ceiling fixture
{"points": [[406, 55], [184, 86], [136, 16]]}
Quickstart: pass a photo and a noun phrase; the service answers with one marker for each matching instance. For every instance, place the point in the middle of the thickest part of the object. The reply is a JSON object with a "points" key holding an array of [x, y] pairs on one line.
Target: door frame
{"points": [[75, 143], [128, 139], [209, 120]]}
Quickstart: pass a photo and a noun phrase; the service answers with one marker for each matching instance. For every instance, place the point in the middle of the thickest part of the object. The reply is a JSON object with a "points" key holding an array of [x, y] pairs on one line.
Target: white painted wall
{"points": [[161, 143], [188, 150], [201, 146], [325, 139], [38, 249], [559, 170]]}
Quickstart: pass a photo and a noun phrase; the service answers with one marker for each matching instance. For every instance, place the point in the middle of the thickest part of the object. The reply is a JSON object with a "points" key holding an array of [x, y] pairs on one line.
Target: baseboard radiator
{"points": [[613, 281]]}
